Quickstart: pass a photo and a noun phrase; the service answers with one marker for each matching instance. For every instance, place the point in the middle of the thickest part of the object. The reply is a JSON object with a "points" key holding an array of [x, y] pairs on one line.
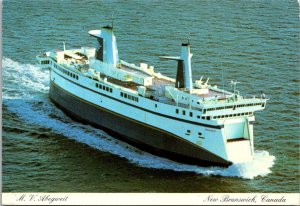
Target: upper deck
{"points": [[159, 87]]}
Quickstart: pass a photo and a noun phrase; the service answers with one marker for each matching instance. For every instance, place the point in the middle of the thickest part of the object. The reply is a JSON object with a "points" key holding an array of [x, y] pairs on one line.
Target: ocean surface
{"points": [[254, 42]]}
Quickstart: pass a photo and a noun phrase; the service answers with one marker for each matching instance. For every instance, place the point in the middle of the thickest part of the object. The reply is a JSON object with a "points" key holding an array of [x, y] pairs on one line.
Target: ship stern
{"points": [[238, 139]]}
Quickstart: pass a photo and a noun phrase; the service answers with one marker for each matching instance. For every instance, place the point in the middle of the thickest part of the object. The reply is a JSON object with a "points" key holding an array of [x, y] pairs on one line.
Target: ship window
{"points": [[208, 117], [204, 111], [202, 117], [177, 110], [110, 90], [183, 112], [263, 105], [188, 131], [107, 89], [125, 95], [155, 105], [97, 85], [198, 116], [76, 77], [121, 94], [191, 114]]}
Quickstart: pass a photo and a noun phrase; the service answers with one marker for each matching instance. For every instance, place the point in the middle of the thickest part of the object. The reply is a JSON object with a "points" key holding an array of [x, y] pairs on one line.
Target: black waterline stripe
{"points": [[141, 108]]}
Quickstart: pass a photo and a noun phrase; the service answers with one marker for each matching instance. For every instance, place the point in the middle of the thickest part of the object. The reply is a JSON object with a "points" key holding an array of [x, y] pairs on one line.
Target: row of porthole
{"points": [[232, 115], [105, 88], [233, 107], [45, 62], [66, 72], [191, 114], [215, 117], [128, 96]]}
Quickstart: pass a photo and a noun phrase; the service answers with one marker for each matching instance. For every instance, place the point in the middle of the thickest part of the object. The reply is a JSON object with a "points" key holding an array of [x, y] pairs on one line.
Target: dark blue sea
{"points": [[253, 41]]}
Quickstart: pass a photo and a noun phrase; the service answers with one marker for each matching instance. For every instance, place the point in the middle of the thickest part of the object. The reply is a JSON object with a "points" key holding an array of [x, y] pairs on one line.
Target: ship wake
{"points": [[25, 89]]}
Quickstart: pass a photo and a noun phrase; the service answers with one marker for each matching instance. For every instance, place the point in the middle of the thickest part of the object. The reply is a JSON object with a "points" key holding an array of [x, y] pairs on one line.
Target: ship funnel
{"points": [[184, 69], [106, 50]]}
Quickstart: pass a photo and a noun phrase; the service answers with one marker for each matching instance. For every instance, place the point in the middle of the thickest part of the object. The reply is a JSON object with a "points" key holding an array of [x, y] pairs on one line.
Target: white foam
{"points": [[23, 80], [35, 108]]}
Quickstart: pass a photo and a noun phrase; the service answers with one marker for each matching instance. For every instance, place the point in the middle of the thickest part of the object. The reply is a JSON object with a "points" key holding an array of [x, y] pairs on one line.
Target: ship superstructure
{"points": [[192, 122]]}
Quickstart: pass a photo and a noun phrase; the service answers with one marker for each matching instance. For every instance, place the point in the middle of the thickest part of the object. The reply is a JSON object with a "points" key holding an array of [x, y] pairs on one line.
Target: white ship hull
{"points": [[146, 125]]}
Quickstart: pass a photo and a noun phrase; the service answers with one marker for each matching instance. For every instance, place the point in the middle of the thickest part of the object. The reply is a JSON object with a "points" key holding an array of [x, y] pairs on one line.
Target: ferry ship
{"points": [[186, 121]]}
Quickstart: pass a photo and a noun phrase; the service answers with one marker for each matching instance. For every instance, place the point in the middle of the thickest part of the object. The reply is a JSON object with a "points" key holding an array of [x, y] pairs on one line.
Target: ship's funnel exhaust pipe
{"points": [[186, 56], [184, 69], [107, 50], [180, 75]]}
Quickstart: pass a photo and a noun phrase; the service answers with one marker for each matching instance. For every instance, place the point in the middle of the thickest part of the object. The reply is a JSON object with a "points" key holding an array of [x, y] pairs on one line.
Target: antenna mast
{"points": [[189, 37], [112, 20]]}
